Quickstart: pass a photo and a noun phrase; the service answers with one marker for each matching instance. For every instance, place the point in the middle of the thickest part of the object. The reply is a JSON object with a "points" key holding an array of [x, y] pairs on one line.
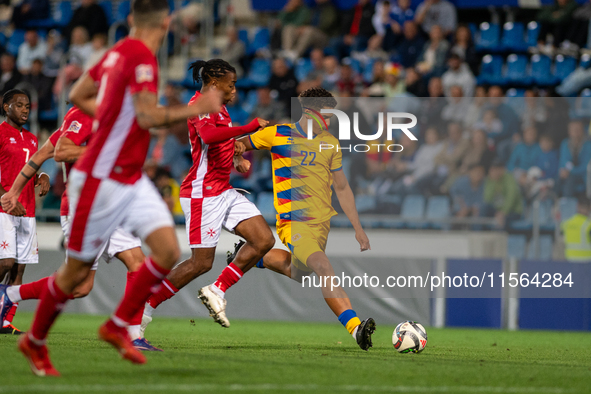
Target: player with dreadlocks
{"points": [[210, 203]]}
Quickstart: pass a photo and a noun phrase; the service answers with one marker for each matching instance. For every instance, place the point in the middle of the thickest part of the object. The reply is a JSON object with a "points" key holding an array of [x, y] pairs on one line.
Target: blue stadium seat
{"points": [[563, 67], [15, 41], [258, 75], [541, 70], [265, 205], [368, 71], [438, 207], [354, 63], [545, 218], [123, 9], [63, 13], [413, 207], [491, 71], [515, 92], [545, 248], [108, 8], [533, 31], [187, 95], [261, 39], [585, 61], [365, 203], [567, 207], [302, 68], [513, 37], [243, 36], [250, 102], [3, 39], [516, 72], [516, 246], [488, 37]]}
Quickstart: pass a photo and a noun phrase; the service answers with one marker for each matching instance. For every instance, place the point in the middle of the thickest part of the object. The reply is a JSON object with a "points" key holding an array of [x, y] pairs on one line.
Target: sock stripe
{"points": [[234, 271], [38, 342], [153, 270], [166, 284], [118, 321]]}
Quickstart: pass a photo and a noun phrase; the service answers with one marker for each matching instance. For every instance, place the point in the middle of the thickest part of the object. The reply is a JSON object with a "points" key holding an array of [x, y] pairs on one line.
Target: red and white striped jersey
{"points": [[210, 173], [119, 146]]}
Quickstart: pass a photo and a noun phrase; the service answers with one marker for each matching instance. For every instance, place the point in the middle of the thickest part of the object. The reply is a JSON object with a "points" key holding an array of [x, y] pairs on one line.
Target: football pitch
{"points": [[268, 357]]}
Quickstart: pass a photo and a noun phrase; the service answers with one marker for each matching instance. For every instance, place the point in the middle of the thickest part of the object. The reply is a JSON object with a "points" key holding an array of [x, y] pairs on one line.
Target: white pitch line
{"points": [[275, 387]]}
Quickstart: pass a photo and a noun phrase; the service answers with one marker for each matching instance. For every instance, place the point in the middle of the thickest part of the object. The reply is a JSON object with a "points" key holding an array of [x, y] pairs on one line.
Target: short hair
{"points": [[317, 98], [583, 201], [208, 70], [146, 12], [8, 96]]}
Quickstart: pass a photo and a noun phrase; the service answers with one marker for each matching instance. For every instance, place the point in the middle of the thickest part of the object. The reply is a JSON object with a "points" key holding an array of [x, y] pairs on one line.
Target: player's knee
{"points": [[265, 244], [6, 264], [200, 266], [83, 290], [168, 256]]}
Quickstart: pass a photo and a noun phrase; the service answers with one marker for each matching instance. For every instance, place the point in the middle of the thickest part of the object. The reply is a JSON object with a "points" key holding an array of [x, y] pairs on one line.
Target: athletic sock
{"points": [[51, 303], [29, 291], [136, 320], [148, 310], [350, 321], [167, 291], [229, 276], [14, 294], [146, 282], [134, 331], [10, 315], [260, 264]]}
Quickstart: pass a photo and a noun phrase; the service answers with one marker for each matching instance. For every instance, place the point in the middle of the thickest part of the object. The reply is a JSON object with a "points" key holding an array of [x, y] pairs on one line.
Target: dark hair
{"points": [[209, 70], [144, 8], [547, 136], [317, 98], [8, 96], [583, 200]]}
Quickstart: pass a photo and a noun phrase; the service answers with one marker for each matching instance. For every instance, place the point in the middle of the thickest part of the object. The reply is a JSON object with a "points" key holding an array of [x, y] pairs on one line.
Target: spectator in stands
{"points": [[375, 88], [574, 156], [349, 81], [234, 51], [437, 13], [463, 46], [458, 74], [457, 106], [80, 50], [415, 85], [168, 152], [493, 127], [447, 162], [479, 152], [91, 16], [53, 56], [314, 77], [99, 48], [432, 108], [525, 155], [394, 84], [384, 168], [389, 19], [356, 29], [372, 52], [42, 84], [579, 28], [33, 48], [238, 115], [9, 75], [292, 19], [534, 113], [467, 193], [502, 195], [30, 10], [556, 20], [475, 108], [496, 101], [283, 81], [267, 108], [411, 46], [541, 178], [332, 73], [169, 190], [432, 59]]}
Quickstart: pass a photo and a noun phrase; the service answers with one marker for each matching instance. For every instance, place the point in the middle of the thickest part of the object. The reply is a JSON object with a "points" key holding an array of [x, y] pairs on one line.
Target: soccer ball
{"points": [[409, 337]]}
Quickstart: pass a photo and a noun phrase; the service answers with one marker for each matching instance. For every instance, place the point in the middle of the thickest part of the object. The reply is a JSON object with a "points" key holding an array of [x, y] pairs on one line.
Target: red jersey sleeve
{"points": [[145, 74], [78, 129], [55, 136]]}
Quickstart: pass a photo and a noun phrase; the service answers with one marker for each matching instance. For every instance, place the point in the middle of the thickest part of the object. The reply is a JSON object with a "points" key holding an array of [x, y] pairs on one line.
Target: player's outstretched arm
{"points": [[347, 201], [67, 151], [9, 199], [149, 114], [83, 94]]}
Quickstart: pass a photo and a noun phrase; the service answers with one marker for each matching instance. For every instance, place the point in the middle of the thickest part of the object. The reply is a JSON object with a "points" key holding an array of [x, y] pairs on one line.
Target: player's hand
{"points": [[262, 123], [361, 237], [239, 148], [43, 181], [209, 102], [8, 201], [241, 164], [18, 210]]}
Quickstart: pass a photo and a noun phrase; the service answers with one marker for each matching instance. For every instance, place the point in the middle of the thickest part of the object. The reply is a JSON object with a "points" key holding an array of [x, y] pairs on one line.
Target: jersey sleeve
{"points": [[55, 136], [336, 163], [78, 129], [144, 75], [263, 139]]}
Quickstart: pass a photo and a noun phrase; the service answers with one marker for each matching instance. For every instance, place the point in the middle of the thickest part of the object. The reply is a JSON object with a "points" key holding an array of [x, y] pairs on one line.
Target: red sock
{"points": [[33, 290], [168, 290], [229, 276], [51, 303], [137, 318], [146, 282], [10, 315]]}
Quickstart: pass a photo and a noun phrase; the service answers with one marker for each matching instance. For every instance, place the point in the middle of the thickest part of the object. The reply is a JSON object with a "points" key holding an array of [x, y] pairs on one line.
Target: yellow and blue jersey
{"points": [[302, 173]]}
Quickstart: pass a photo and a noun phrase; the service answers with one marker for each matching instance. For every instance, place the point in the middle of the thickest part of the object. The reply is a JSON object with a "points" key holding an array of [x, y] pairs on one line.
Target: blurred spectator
{"points": [[463, 46], [332, 73], [431, 108], [534, 112], [575, 154], [349, 81], [169, 190], [283, 81], [458, 74], [457, 106], [394, 85], [33, 48], [467, 193], [448, 161], [53, 55], [496, 101], [542, 176], [502, 196], [99, 48], [579, 29], [375, 88], [556, 20], [42, 84], [80, 50], [267, 108], [384, 168], [479, 152], [437, 12], [168, 152], [415, 85], [373, 51], [238, 115], [411, 47], [475, 108], [294, 16], [432, 59], [30, 10], [9, 75], [493, 127], [389, 19], [356, 29], [91, 16], [234, 51], [525, 155], [314, 77]]}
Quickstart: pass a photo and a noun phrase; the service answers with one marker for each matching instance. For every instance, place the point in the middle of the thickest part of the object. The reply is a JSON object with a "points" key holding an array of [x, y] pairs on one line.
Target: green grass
{"points": [[302, 357]]}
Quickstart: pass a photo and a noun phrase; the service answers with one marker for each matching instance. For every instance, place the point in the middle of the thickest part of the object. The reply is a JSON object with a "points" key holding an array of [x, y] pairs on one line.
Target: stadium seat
{"points": [[413, 207], [567, 207], [187, 95], [491, 71], [302, 68], [515, 93], [545, 248], [3, 39], [541, 70], [533, 30], [545, 218], [367, 74], [438, 207], [516, 246], [63, 13], [516, 72], [258, 75], [487, 38], [563, 67], [243, 36], [365, 203], [123, 9], [261, 39], [15, 41], [354, 63], [108, 8], [250, 102], [513, 37], [585, 61], [265, 205]]}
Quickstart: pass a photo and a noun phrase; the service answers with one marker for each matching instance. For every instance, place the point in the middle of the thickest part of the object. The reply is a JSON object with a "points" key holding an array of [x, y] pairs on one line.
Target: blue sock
{"points": [[349, 320], [260, 264]]}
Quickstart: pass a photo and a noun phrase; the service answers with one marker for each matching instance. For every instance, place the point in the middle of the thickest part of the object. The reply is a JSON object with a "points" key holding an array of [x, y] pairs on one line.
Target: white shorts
{"points": [[120, 241], [99, 206], [18, 239], [205, 217]]}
